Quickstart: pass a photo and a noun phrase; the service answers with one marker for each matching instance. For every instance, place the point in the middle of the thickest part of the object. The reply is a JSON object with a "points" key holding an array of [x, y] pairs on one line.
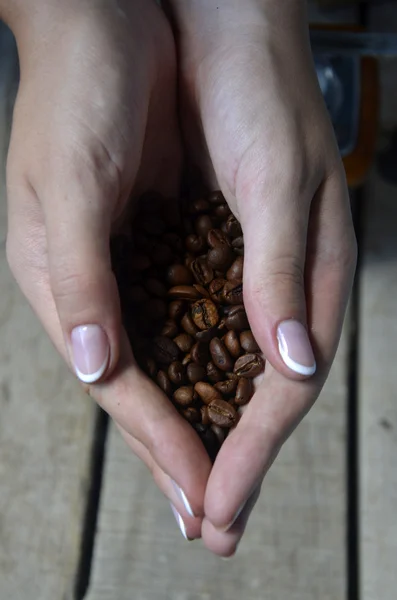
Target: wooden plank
{"points": [[46, 428], [294, 546], [377, 394]]}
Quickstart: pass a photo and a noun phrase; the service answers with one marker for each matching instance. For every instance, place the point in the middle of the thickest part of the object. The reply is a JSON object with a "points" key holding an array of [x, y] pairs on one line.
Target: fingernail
{"points": [[231, 523], [182, 496], [91, 351], [180, 522], [295, 348]]}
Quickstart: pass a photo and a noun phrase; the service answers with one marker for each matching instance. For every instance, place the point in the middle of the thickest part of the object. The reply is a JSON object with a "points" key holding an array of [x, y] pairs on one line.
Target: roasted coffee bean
{"points": [[233, 227], [216, 237], [219, 432], [155, 287], [202, 225], [249, 365], [248, 342], [150, 367], [222, 413], [165, 350], [201, 289], [210, 441], [200, 353], [205, 314], [227, 387], [185, 395], [174, 241], [216, 198], [170, 329], [161, 254], [201, 270], [222, 211], [139, 262], [220, 355], [220, 257], [233, 292], [155, 309], [152, 225], [231, 375], [184, 292], [186, 359], [244, 392], [189, 258], [213, 373], [205, 420], [164, 383], [235, 272], [216, 289], [177, 373], [184, 341], [237, 318], [232, 343], [191, 414], [195, 243], [179, 275], [188, 324], [199, 206], [207, 334], [238, 242], [137, 294], [176, 310], [195, 373], [207, 392]]}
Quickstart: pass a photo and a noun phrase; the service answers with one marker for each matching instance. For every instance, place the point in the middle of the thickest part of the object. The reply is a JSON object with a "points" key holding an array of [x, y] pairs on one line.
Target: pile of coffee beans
{"points": [[179, 272]]}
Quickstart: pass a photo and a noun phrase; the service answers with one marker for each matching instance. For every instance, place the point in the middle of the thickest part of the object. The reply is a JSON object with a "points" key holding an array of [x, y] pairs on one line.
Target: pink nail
{"points": [[294, 347], [90, 352]]}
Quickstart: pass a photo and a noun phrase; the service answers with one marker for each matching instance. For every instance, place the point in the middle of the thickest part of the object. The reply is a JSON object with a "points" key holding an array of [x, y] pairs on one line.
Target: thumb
{"points": [[275, 235], [78, 222]]}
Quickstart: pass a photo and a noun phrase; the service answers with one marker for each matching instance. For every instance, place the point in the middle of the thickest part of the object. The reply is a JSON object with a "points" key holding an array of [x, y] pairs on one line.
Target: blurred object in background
{"points": [[9, 76]]}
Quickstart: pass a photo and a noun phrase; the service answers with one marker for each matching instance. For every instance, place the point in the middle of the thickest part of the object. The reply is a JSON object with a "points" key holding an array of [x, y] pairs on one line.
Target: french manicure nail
{"points": [[231, 523], [90, 347], [182, 496], [295, 348], [180, 522]]}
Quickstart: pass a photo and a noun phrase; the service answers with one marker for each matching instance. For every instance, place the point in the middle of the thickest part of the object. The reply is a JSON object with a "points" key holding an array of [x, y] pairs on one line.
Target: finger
{"points": [[190, 527], [280, 403]]}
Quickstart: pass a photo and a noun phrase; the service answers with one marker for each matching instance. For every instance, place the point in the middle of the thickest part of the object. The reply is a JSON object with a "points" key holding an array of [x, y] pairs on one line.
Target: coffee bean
{"points": [[237, 319], [186, 359], [185, 395], [216, 198], [184, 292], [220, 257], [177, 373], [233, 292], [195, 373], [174, 241], [152, 225], [201, 289], [244, 392], [189, 258], [209, 439], [232, 343], [227, 387], [222, 413], [165, 350], [202, 225], [200, 353], [155, 287], [201, 270], [235, 272], [191, 414], [207, 334], [219, 432], [199, 206], [216, 289], [195, 243], [249, 365], [220, 356], [179, 275], [139, 262], [155, 309], [188, 324], [248, 342], [205, 314], [233, 227], [164, 383], [231, 375], [216, 237], [184, 341], [207, 392], [176, 310], [205, 420], [213, 373], [161, 254], [222, 211], [170, 329], [150, 367], [238, 242]]}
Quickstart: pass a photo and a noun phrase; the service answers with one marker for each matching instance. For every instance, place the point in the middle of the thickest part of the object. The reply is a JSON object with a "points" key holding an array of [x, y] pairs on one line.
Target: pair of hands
{"points": [[96, 119]]}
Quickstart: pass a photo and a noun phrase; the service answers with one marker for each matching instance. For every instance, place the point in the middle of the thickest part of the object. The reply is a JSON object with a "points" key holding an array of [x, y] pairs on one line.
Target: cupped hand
{"points": [[252, 110], [94, 121]]}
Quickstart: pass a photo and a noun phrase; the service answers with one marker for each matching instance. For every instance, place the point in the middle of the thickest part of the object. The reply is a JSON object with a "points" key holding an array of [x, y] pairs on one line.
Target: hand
{"points": [[95, 119], [250, 97]]}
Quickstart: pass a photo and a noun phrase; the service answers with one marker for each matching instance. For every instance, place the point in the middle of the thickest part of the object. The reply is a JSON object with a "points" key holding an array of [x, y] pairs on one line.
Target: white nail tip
{"points": [[183, 497], [180, 522], [92, 377], [292, 364]]}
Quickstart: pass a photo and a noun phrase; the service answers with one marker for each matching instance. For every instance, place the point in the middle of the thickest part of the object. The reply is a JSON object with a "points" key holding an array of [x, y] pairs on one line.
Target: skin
{"points": [[96, 120]]}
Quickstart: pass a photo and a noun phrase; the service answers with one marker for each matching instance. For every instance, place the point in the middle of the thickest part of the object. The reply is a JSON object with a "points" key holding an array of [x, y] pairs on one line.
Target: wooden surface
{"points": [[295, 543], [378, 395]]}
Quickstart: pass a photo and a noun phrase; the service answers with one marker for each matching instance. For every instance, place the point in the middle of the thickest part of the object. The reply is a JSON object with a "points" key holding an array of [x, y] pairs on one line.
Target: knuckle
{"points": [[69, 285], [282, 276]]}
